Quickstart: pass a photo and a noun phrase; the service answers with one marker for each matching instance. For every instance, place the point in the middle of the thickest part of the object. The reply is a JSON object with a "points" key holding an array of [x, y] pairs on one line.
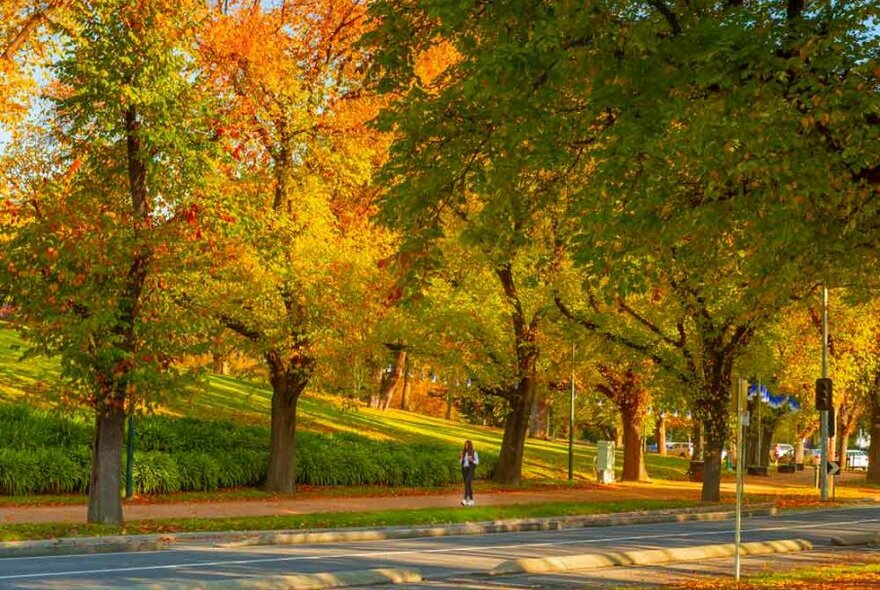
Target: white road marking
{"points": [[416, 551]]}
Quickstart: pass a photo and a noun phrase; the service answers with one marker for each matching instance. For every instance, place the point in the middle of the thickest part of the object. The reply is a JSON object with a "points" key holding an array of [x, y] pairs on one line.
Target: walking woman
{"points": [[469, 460]]}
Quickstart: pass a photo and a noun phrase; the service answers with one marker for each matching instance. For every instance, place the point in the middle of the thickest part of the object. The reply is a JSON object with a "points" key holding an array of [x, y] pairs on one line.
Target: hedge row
{"points": [[48, 453]]}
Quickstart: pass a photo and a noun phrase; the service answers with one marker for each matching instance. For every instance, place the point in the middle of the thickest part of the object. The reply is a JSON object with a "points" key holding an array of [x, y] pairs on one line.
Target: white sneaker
{"points": [[464, 502], [470, 503]]}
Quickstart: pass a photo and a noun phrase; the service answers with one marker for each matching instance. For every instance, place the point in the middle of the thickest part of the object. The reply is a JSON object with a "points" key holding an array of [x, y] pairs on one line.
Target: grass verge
{"points": [[328, 520], [850, 577], [303, 492]]}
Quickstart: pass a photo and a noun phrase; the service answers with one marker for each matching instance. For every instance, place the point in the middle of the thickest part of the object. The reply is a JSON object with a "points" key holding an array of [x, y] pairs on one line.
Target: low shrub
{"points": [[51, 454], [23, 427], [49, 470], [183, 435], [155, 473]]}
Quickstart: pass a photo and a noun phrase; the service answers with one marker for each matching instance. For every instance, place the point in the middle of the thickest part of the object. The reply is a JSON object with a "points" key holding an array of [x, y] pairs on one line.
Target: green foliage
{"points": [[179, 435], [25, 428], [156, 473], [47, 470], [47, 453]]}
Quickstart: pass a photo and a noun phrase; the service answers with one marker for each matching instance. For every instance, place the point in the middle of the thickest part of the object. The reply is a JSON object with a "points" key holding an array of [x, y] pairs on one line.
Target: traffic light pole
{"points": [[571, 421], [823, 415]]}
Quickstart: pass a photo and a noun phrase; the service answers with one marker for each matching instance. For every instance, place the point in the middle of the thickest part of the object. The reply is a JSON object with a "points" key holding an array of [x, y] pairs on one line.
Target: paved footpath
{"points": [[789, 485], [309, 505]]}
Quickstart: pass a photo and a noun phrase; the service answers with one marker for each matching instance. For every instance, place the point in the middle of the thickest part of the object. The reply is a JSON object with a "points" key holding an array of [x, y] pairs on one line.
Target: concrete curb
{"points": [[233, 539], [319, 581], [492, 527], [81, 545], [585, 561], [856, 539]]}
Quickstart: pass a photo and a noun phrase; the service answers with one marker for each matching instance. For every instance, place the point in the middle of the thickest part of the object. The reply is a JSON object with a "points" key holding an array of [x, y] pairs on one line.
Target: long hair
{"points": [[469, 449]]}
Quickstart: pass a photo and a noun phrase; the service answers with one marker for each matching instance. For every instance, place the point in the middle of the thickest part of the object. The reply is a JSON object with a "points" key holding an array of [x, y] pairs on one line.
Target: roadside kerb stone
{"points": [[856, 539], [81, 545], [492, 527], [233, 539], [604, 559], [318, 581]]}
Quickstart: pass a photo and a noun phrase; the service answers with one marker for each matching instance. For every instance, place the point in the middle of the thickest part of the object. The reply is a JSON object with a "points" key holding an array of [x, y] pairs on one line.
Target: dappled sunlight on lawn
{"points": [[217, 397]]}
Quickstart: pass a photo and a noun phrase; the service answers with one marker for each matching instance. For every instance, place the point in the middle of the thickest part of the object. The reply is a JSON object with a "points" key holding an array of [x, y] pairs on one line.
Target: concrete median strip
{"points": [[856, 539], [317, 581], [491, 527], [234, 539], [604, 559]]}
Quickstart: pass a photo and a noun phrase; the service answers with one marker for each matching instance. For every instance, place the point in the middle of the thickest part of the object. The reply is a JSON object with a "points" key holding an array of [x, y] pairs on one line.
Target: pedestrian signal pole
{"points": [[823, 411], [741, 389]]}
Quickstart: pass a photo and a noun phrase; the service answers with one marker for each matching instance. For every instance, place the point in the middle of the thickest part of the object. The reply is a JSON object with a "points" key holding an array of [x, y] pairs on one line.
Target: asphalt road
{"points": [[447, 558]]}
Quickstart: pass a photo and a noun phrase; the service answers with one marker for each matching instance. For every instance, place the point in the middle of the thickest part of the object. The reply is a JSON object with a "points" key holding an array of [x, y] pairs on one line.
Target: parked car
{"points": [[680, 449], [856, 459], [782, 450]]}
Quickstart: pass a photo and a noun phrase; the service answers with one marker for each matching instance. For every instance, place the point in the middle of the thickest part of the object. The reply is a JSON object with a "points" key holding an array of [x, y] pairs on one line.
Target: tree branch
{"points": [[667, 13], [649, 324], [28, 27], [240, 328], [642, 349]]}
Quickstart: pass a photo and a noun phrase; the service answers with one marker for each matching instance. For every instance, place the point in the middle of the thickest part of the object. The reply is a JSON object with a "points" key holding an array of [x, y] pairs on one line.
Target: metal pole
{"points": [[742, 387], [129, 468], [758, 427], [571, 421], [823, 415]]}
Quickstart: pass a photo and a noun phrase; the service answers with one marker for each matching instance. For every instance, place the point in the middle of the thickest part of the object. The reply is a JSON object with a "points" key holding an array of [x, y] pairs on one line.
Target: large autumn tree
{"points": [[105, 229], [299, 252], [720, 153]]}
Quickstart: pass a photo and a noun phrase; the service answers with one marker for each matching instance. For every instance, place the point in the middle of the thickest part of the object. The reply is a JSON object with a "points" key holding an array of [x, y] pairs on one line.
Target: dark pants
{"points": [[467, 473]]}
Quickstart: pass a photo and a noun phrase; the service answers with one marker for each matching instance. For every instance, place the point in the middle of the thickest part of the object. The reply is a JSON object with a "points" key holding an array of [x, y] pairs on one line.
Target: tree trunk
{"points": [[516, 426], [449, 404], [221, 365], [846, 422], [697, 433], [509, 470], [712, 472], [538, 426], [391, 381], [618, 434], [105, 499], [406, 392], [712, 410], [799, 451], [289, 379], [874, 448], [376, 394], [633, 455], [661, 434]]}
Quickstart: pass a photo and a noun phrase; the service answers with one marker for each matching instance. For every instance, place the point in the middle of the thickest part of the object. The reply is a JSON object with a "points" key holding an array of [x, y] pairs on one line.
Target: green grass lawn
{"points": [[35, 380], [329, 520]]}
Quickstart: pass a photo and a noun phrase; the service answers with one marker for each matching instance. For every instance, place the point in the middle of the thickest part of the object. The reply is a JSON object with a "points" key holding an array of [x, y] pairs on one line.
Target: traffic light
{"points": [[824, 399]]}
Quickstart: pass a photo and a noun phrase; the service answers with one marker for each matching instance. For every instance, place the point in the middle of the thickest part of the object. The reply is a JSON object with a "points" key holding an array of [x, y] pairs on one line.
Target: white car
{"points": [[857, 459], [680, 449]]}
